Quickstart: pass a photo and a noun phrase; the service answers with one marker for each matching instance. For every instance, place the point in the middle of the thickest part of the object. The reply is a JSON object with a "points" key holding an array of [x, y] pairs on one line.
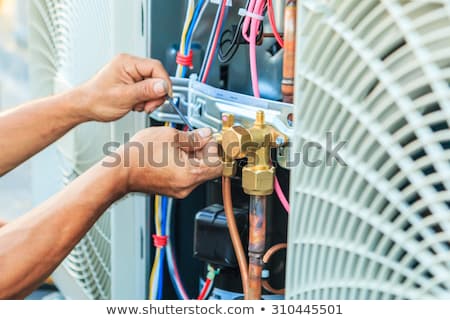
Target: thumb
{"points": [[149, 89], [193, 141]]}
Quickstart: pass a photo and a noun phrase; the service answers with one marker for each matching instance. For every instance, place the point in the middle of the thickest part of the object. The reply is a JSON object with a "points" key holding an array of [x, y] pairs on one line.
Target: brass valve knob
{"points": [[235, 141]]}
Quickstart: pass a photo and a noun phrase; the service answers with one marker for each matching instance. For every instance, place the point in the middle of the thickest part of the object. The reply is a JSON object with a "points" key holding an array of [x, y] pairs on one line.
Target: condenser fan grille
{"points": [[375, 74], [69, 40]]}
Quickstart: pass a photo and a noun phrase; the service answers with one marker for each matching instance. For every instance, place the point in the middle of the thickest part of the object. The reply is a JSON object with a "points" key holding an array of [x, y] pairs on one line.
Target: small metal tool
{"points": [[174, 103]]}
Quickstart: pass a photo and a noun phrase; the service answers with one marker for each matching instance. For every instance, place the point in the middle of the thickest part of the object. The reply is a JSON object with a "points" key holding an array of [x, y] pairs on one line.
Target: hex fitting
{"points": [[235, 141], [258, 182], [229, 168], [255, 144]]}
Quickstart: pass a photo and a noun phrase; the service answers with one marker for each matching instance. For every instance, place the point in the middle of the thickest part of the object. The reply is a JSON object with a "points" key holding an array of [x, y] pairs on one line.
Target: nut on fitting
{"points": [[258, 182], [229, 168], [235, 141]]}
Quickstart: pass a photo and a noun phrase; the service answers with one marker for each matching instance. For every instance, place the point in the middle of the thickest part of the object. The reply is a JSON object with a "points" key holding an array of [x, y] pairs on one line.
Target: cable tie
{"points": [[159, 241], [244, 13], [185, 61]]}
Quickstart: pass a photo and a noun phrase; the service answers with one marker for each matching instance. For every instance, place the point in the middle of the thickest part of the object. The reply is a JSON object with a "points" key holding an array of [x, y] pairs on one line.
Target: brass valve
{"points": [[255, 144]]}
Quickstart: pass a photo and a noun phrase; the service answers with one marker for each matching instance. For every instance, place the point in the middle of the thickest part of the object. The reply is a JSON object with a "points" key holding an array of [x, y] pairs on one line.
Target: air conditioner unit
{"points": [[70, 40], [375, 74]]}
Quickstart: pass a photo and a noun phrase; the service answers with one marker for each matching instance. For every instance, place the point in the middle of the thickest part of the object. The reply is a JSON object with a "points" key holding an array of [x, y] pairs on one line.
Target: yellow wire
{"points": [[186, 25], [154, 271], [190, 12], [157, 253], [158, 232]]}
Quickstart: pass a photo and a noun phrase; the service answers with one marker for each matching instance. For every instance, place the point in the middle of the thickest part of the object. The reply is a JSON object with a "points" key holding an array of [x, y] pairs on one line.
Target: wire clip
{"points": [[244, 13], [185, 61], [159, 241]]}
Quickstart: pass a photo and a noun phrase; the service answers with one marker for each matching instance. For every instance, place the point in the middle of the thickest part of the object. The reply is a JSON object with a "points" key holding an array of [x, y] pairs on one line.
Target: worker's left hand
{"points": [[126, 83]]}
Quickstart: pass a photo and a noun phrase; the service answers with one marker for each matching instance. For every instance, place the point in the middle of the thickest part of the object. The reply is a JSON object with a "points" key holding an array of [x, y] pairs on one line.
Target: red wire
{"points": [[205, 290], [216, 40], [273, 24]]}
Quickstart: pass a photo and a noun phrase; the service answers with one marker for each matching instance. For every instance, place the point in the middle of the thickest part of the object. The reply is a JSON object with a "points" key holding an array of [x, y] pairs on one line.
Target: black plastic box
{"points": [[212, 242]]}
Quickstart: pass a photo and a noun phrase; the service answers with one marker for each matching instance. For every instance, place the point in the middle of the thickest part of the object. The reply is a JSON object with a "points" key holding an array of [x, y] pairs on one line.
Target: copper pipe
{"points": [[256, 244], [254, 284], [290, 24], [273, 250], [234, 233], [266, 259]]}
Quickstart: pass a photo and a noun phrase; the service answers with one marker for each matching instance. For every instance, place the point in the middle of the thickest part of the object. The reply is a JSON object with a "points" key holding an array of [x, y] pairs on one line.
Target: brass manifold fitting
{"points": [[255, 144]]}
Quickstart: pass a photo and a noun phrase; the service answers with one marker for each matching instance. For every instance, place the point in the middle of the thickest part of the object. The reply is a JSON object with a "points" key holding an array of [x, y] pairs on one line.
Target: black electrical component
{"points": [[212, 241]]}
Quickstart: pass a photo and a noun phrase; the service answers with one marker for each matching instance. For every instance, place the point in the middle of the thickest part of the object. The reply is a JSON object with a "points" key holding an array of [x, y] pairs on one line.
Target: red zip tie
{"points": [[185, 61], [159, 241]]}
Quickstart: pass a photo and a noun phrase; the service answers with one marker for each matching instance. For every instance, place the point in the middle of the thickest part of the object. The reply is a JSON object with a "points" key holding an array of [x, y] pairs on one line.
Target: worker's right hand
{"points": [[169, 162], [127, 83]]}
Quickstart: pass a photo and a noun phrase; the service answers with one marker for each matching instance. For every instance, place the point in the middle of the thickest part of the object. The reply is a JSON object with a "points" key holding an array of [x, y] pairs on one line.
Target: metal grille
{"points": [[61, 33], [375, 74]]}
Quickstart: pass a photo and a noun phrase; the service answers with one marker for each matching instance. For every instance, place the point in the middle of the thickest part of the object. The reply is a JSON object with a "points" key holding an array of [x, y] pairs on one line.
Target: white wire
{"points": [[198, 22]]}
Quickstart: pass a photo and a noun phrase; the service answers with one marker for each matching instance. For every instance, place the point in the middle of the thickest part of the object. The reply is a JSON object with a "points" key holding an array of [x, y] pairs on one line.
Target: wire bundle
{"points": [[193, 17], [209, 283], [213, 41], [160, 242]]}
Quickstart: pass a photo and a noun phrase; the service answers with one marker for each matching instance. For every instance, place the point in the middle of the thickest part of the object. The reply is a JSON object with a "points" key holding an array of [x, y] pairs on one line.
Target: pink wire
{"points": [[281, 196], [254, 28], [271, 15], [258, 8], [247, 21]]}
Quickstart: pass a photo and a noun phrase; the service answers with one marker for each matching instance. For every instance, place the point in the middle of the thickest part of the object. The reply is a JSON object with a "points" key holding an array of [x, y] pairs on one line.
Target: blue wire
{"points": [[164, 200], [159, 294], [163, 250], [198, 9], [190, 33], [209, 54]]}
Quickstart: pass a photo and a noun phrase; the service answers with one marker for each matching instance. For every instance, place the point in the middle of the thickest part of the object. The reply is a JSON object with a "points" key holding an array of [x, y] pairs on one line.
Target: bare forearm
{"points": [[29, 128], [35, 244]]}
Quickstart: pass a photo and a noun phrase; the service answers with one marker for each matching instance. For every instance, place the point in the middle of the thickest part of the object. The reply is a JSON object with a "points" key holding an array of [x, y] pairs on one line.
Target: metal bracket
{"points": [[204, 106]]}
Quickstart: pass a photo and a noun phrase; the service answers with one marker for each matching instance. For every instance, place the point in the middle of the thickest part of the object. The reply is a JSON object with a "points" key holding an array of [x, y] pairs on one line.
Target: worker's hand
{"points": [[126, 83], [170, 162]]}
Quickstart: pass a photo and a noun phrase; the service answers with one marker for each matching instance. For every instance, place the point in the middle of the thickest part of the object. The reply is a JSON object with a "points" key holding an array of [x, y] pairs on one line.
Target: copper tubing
{"points": [[256, 244], [290, 23], [254, 284], [234, 233], [273, 250], [266, 259]]}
